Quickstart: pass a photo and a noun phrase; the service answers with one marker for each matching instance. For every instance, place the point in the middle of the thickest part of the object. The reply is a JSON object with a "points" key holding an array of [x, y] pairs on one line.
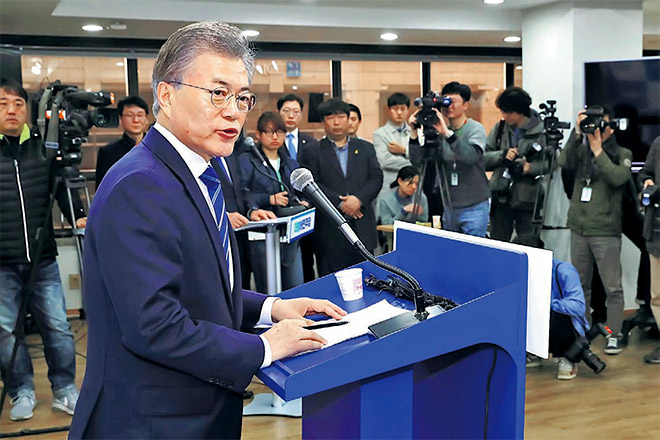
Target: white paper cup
{"points": [[350, 283]]}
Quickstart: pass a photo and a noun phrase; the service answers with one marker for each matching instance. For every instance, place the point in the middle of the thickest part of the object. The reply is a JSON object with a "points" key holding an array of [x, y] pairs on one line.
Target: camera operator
{"points": [[648, 177], [601, 170], [514, 153], [567, 311], [26, 179], [460, 151]]}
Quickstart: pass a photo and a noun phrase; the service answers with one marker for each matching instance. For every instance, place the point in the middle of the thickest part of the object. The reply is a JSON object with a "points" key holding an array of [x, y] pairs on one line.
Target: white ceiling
{"points": [[417, 22]]}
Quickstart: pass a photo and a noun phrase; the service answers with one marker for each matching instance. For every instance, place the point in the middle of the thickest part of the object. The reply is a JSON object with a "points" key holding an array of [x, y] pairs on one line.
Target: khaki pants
{"points": [[655, 288], [606, 253]]}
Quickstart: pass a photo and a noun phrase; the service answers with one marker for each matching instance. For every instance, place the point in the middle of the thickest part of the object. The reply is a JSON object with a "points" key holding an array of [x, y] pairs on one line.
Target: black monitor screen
{"points": [[632, 90]]}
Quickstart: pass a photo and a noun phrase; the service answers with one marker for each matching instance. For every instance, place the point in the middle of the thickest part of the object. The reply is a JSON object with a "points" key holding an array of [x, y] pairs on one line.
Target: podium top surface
{"points": [[492, 311]]}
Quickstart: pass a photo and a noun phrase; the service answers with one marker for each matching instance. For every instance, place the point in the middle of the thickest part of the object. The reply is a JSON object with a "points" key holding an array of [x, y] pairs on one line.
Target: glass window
{"points": [[274, 78], [518, 75], [486, 80], [368, 84], [145, 69]]}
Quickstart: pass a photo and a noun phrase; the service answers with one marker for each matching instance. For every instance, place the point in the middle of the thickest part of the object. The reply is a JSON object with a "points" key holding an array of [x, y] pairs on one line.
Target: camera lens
{"points": [[593, 361]]}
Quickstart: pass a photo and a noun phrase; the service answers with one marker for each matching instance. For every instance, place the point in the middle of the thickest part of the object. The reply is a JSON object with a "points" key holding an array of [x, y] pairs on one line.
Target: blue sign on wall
{"points": [[293, 69]]}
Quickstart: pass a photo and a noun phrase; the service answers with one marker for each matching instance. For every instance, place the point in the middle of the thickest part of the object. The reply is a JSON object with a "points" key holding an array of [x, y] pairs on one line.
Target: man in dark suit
{"points": [[297, 144], [169, 353], [347, 170], [133, 112], [238, 210]]}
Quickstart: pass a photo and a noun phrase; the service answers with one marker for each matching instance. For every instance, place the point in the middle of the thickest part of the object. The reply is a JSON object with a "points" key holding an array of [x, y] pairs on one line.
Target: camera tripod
{"points": [[543, 195], [64, 176], [430, 159], [553, 135]]}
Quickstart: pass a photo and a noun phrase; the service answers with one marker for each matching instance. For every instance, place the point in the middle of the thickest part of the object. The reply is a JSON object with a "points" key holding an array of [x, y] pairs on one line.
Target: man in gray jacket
{"points": [[601, 170], [391, 140], [514, 153], [461, 154]]}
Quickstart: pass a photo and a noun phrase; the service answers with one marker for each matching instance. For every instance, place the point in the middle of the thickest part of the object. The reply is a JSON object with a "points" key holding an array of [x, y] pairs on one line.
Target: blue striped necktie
{"points": [[292, 149], [212, 182]]}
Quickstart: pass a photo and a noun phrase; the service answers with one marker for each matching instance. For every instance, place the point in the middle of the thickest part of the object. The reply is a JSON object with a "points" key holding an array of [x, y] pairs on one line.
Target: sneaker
{"points": [[65, 399], [613, 346], [532, 361], [567, 370], [653, 357], [22, 405]]}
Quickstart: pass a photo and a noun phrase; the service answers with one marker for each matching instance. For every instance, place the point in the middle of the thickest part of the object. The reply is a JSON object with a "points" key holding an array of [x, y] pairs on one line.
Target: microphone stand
{"points": [[420, 311], [323, 203]]}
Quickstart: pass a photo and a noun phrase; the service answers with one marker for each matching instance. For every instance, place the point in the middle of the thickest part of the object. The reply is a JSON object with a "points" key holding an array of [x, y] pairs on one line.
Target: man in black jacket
{"points": [[133, 112], [25, 187], [648, 177], [347, 171]]}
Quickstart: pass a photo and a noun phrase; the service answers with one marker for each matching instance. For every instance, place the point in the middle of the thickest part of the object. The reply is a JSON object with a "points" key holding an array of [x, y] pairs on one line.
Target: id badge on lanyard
{"points": [[454, 176], [586, 192]]}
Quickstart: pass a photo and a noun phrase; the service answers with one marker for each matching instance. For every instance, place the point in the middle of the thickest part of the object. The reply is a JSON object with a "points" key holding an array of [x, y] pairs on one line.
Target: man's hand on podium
{"points": [[237, 219], [287, 337], [262, 214], [298, 308]]}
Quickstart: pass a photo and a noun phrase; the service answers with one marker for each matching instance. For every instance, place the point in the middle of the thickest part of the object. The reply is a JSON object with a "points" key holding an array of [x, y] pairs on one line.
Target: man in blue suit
{"points": [[169, 353]]}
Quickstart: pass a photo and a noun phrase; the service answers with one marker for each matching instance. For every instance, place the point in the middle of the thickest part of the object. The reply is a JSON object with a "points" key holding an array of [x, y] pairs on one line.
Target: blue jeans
{"points": [[471, 220], [291, 264], [49, 311]]}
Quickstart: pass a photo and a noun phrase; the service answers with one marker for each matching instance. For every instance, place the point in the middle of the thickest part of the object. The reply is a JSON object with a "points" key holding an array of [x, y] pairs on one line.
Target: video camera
{"points": [[515, 169], [426, 117], [650, 195], [580, 351], [595, 120], [551, 123], [64, 120]]}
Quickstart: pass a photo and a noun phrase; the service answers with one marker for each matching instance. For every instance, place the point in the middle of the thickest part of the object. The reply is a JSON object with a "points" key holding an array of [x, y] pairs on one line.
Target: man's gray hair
{"points": [[183, 46]]}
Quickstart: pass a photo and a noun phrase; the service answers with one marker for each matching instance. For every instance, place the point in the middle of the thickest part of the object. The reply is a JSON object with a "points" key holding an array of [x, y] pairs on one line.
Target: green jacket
{"points": [[606, 175], [519, 191]]}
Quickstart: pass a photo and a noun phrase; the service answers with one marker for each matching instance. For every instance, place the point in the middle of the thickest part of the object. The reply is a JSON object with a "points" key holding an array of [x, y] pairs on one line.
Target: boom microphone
{"points": [[303, 181]]}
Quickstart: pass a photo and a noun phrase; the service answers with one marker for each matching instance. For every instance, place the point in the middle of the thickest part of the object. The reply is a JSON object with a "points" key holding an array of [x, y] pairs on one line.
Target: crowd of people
{"points": [[480, 184], [492, 183]]}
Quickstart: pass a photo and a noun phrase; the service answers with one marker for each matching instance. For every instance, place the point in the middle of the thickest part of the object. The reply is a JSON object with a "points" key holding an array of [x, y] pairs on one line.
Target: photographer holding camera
{"points": [[26, 181], [514, 153], [648, 177], [460, 153], [570, 335], [601, 169]]}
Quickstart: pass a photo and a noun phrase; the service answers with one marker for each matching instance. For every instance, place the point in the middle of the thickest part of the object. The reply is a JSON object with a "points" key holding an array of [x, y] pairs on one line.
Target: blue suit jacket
{"points": [[166, 356]]}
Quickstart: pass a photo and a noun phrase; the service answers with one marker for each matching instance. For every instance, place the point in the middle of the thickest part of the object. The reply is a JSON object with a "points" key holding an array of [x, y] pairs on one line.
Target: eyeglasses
{"points": [[220, 97], [291, 111], [271, 133], [134, 115]]}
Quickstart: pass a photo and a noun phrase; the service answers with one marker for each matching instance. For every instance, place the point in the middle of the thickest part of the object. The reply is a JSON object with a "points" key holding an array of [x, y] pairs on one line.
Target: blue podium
{"points": [[460, 374]]}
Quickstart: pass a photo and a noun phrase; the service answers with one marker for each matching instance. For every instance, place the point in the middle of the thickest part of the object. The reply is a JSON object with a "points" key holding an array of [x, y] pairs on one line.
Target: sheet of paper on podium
{"points": [[358, 323]]}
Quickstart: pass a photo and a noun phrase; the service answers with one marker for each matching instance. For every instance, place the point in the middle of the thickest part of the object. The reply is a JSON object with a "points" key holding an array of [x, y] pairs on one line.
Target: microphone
{"points": [[303, 181], [250, 143]]}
